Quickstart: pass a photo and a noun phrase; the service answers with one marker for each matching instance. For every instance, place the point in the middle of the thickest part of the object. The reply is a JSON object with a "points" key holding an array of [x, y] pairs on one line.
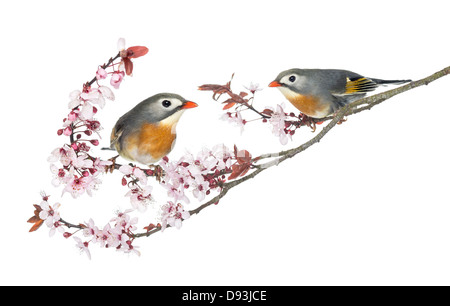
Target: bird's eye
{"points": [[292, 78], [166, 103]]}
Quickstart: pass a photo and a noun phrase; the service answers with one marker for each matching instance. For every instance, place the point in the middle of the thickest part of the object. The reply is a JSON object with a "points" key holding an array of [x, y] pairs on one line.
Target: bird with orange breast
{"points": [[318, 93], [147, 132]]}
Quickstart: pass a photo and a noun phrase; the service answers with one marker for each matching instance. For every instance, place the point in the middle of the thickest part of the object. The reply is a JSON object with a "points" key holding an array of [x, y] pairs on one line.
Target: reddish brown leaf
{"points": [[218, 90], [33, 219], [238, 170], [267, 112], [212, 87], [243, 94], [128, 66], [137, 51], [36, 225], [245, 170], [243, 157], [150, 227], [229, 105]]}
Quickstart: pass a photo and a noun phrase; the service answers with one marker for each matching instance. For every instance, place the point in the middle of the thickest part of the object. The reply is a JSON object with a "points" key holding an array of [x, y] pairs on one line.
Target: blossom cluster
{"points": [[200, 174], [117, 234], [136, 180], [78, 171], [173, 215], [278, 121]]}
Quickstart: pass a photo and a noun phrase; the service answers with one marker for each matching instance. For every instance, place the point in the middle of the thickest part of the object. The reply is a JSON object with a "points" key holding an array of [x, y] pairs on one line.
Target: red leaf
{"points": [[212, 87], [218, 90], [33, 219], [128, 66], [36, 226], [136, 51], [238, 170], [150, 227], [267, 112], [243, 157], [229, 105]]}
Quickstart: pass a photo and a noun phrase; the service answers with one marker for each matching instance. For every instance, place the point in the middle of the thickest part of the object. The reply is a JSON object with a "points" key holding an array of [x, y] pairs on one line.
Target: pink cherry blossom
{"points": [[116, 79], [87, 111], [173, 215], [72, 116], [277, 120], [83, 246], [93, 96], [102, 236], [140, 198], [76, 186], [126, 246], [82, 161], [57, 226], [235, 119], [49, 214], [124, 221], [101, 165], [140, 175], [135, 171], [107, 93], [91, 229], [200, 187], [101, 74], [253, 88], [75, 99], [67, 131]]}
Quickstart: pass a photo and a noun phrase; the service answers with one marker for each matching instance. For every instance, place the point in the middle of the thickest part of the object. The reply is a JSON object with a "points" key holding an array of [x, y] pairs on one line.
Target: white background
{"points": [[367, 205]]}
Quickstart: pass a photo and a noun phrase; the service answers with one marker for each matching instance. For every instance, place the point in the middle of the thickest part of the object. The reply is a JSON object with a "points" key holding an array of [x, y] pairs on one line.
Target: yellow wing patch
{"points": [[359, 85]]}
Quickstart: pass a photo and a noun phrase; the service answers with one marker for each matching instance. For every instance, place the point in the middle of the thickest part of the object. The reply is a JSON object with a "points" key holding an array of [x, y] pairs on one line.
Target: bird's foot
{"points": [[340, 121], [309, 122]]}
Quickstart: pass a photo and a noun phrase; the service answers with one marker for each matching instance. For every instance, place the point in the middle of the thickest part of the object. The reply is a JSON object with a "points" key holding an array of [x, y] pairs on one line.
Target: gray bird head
{"points": [[162, 106], [293, 79]]}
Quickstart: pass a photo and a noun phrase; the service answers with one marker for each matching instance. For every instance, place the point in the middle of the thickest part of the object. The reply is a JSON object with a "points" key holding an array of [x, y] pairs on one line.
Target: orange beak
{"points": [[275, 84], [189, 104]]}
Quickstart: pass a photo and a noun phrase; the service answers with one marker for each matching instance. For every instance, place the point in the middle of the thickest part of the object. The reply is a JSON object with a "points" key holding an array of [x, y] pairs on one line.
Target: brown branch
{"points": [[349, 109]]}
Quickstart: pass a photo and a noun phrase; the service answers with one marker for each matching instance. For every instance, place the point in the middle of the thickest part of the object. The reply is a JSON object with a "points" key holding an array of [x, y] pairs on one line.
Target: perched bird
{"points": [[147, 132], [318, 93]]}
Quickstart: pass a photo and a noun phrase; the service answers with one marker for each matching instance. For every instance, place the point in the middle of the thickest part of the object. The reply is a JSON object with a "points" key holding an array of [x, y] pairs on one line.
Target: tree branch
{"points": [[350, 109]]}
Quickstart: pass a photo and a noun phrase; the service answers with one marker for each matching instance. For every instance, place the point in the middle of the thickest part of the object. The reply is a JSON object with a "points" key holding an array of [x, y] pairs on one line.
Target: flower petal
{"points": [[121, 44], [107, 93]]}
